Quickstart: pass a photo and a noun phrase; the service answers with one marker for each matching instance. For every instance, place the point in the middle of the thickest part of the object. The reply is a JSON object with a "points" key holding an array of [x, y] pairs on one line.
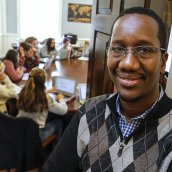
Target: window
{"points": [[40, 18]]}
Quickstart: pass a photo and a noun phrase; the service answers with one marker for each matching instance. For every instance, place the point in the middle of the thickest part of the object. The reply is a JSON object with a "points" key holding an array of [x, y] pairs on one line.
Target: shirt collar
{"points": [[144, 114]]}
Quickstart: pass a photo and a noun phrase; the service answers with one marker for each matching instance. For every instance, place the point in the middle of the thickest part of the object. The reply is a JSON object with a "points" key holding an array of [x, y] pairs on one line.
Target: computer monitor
{"points": [[65, 85], [73, 38]]}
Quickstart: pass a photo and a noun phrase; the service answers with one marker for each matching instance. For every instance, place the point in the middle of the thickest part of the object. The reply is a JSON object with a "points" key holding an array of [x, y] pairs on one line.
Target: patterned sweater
{"points": [[93, 141]]}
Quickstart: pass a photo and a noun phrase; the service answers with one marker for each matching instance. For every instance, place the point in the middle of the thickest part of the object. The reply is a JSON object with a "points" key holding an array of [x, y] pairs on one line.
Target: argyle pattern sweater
{"points": [[93, 141]]}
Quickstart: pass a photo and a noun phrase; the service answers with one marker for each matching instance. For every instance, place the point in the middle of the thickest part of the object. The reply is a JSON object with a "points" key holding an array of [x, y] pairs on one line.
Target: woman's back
{"points": [[34, 102]]}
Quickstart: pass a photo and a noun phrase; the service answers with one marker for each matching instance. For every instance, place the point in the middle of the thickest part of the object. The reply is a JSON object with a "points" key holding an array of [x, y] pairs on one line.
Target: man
{"points": [[129, 130]]}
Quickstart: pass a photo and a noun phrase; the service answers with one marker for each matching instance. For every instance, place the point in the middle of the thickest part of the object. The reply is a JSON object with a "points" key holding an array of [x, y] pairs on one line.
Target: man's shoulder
{"points": [[94, 107], [96, 101]]}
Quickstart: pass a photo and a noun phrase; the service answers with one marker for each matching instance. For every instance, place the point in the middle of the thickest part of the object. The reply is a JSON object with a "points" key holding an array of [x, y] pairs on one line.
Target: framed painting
{"points": [[79, 13]]}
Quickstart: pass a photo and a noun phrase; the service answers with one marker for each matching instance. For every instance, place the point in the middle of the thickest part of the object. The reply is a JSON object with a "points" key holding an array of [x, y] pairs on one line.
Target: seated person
{"points": [[49, 49], [66, 52], [14, 72], [34, 102], [27, 58], [7, 90], [34, 42]]}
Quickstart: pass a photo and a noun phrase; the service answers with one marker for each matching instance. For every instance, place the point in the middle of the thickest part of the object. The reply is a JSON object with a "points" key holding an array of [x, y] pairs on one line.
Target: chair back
{"points": [[20, 144], [11, 107]]}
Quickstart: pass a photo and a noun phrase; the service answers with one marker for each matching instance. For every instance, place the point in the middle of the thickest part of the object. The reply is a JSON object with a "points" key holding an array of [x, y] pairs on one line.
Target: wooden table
{"points": [[73, 69]]}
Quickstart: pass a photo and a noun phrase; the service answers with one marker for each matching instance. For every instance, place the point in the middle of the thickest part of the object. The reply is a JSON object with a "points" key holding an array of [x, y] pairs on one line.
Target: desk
{"points": [[73, 69]]}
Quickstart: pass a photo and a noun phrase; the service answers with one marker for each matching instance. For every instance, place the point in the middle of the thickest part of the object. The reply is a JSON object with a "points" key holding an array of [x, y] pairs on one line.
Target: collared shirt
{"points": [[127, 127]]}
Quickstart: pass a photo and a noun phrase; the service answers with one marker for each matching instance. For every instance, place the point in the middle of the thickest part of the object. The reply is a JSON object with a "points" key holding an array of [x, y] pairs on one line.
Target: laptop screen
{"points": [[65, 85]]}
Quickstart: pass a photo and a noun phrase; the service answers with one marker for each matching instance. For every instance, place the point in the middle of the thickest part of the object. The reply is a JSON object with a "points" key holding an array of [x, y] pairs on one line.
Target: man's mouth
{"points": [[129, 80]]}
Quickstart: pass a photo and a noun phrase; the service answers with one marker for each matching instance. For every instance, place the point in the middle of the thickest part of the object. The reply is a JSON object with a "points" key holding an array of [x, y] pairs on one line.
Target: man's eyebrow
{"points": [[137, 43], [144, 42], [120, 42]]}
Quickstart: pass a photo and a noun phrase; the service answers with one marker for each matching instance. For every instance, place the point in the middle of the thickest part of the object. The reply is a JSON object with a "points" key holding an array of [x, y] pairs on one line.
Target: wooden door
{"points": [[104, 13]]}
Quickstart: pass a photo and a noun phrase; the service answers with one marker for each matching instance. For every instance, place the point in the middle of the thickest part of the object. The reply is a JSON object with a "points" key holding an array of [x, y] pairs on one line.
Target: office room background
{"points": [[22, 18]]}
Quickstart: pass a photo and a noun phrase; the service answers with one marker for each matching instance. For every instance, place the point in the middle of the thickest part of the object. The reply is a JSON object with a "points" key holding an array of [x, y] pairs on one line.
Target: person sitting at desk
{"points": [[34, 42], [66, 52], [34, 102], [7, 90], [27, 58], [12, 69], [49, 49]]}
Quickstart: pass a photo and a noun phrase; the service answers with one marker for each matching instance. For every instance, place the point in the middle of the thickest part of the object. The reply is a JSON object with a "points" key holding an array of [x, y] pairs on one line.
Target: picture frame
{"points": [[80, 13]]}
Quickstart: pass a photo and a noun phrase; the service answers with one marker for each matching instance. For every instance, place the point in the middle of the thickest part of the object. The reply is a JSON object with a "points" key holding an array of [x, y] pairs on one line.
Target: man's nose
{"points": [[130, 61]]}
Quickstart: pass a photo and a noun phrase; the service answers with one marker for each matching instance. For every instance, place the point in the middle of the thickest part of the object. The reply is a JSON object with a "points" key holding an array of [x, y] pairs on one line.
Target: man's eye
{"points": [[144, 50], [117, 49]]}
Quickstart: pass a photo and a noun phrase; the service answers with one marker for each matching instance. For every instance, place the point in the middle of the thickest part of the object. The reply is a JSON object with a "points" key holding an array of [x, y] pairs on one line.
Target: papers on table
{"points": [[41, 65], [83, 58], [17, 88], [25, 76]]}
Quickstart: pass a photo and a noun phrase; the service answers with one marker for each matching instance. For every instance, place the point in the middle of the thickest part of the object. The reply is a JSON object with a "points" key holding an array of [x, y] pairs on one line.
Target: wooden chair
{"points": [[11, 107], [9, 170], [49, 140]]}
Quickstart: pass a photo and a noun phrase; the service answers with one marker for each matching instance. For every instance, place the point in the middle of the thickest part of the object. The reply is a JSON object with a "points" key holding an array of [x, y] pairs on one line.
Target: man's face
{"points": [[136, 78]]}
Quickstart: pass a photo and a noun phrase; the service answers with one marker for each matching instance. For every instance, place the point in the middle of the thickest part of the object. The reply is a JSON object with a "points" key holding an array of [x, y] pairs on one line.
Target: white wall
{"points": [[10, 20], [44, 20], [83, 30], [8, 24], [169, 65]]}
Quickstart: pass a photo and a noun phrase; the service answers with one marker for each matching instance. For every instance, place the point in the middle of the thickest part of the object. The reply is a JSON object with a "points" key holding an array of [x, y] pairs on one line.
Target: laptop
{"points": [[46, 63], [41, 65], [65, 85]]}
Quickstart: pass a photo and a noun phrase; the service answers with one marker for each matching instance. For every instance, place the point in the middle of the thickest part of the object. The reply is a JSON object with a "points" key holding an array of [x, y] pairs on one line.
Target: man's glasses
{"points": [[140, 51]]}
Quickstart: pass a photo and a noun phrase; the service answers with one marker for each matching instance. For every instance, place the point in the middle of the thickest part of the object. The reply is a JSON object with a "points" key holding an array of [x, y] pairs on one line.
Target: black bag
{"points": [[73, 38]]}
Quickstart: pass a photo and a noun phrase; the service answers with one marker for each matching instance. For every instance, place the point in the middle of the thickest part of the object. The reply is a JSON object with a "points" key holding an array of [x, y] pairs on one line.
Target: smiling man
{"points": [[129, 130]]}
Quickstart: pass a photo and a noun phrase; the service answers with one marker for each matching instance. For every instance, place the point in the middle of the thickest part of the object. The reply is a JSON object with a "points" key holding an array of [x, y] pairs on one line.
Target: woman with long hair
{"points": [[14, 72], [49, 49], [34, 42], [27, 58], [35, 103]]}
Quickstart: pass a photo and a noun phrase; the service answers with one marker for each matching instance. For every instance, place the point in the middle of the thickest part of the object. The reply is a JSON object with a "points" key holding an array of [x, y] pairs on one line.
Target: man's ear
{"points": [[164, 59]]}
